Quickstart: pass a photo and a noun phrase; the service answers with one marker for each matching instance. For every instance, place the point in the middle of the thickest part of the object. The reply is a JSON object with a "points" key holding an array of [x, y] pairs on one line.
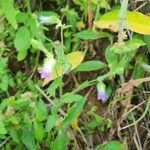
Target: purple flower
{"points": [[44, 73], [43, 19], [47, 68], [101, 95]]}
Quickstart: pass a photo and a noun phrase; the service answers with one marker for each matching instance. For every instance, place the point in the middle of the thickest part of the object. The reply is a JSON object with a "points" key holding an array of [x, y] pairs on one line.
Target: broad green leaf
{"points": [[51, 120], [91, 35], [41, 111], [61, 141], [4, 83], [38, 131], [22, 42], [2, 127], [22, 39], [28, 138], [21, 103], [129, 46], [74, 58], [71, 97], [90, 66], [35, 29], [21, 55], [73, 113], [113, 145], [10, 12], [111, 57], [22, 17], [36, 44], [14, 135], [134, 22], [134, 44]]}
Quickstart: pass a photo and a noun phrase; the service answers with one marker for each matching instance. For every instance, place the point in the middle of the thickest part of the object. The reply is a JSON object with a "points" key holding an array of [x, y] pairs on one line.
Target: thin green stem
{"points": [[28, 7], [96, 15], [122, 17], [121, 34]]}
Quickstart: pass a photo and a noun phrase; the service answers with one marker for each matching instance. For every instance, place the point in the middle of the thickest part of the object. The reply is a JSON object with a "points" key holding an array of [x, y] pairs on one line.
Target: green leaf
{"points": [[73, 112], [38, 131], [22, 42], [53, 87], [2, 127], [28, 138], [146, 39], [130, 45], [14, 135], [22, 17], [61, 141], [51, 120], [90, 66], [22, 39], [41, 111], [4, 82], [36, 44], [91, 35], [134, 44], [71, 97], [10, 12], [111, 57], [113, 145], [35, 29], [21, 55]]}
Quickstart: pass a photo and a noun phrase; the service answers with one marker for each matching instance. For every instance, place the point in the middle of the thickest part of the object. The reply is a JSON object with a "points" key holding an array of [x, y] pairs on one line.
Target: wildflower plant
{"points": [[43, 113]]}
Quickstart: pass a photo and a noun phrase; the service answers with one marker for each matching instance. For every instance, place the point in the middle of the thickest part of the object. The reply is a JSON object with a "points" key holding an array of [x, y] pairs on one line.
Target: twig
{"points": [[90, 14], [138, 144], [4, 141], [49, 100], [133, 109], [143, 115]]}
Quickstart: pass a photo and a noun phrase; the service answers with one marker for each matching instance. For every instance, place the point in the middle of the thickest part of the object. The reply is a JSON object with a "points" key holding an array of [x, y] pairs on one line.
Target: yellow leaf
{"points": [[75, 125], [138, 22], [135, 21], [74, 58]]}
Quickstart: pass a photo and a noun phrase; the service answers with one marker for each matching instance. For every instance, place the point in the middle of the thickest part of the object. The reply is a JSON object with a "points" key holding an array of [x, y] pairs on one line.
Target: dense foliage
{"points": [[74, 74]]}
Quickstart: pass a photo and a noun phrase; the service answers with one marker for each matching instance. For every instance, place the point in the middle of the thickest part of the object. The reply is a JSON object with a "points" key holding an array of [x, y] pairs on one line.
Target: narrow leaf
{"points": [[73, 112], [90, 66]]}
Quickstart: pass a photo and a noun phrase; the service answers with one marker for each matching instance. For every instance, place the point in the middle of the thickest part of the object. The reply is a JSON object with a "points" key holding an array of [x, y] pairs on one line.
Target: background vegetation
{"points": [[75, 74]]}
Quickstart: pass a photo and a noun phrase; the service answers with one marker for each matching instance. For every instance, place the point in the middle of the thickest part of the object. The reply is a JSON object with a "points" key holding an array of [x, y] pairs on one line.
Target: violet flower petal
{"points": [[44, 73], [101, 95]]}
